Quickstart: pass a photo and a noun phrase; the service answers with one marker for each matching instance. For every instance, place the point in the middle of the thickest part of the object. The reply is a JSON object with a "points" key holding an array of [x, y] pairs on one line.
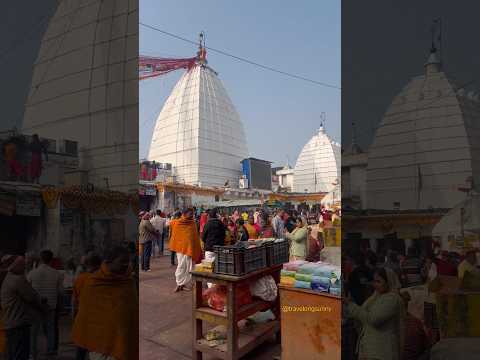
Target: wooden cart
{"points": [[237, 344]]}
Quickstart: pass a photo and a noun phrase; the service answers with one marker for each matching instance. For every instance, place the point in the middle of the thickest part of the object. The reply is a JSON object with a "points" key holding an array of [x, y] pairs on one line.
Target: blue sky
{"points": [[280, 114]]}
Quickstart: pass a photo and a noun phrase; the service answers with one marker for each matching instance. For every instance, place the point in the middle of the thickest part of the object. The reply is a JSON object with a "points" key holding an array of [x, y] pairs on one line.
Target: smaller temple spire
{"points": [[434, 63], [323, 118]]}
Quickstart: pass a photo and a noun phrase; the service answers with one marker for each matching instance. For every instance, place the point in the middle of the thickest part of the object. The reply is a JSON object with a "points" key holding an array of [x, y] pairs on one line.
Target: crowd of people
{"points": [[23, 158], [98, 297], [377, 320], [193, 233]]}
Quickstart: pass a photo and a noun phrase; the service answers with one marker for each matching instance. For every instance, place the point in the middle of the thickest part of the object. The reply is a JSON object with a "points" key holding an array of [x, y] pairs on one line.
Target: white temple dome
{"points": [[318, 165], [199, 131], [85, 88], [426, 145]]}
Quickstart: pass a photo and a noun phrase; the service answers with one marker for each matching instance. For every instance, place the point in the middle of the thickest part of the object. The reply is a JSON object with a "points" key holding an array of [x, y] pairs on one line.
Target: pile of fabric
{"points": [[316, 276]]}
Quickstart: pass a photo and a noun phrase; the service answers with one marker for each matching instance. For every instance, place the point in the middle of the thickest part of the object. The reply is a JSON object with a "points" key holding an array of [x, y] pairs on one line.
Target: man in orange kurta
{"points": [[107, 320], [185, 241]]}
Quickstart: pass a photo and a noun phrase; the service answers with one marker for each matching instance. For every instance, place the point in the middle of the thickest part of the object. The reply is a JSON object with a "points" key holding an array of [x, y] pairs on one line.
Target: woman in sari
{"points": [[233, 231], [251, 229], [298, 241], [381, 319], [267, 229]]}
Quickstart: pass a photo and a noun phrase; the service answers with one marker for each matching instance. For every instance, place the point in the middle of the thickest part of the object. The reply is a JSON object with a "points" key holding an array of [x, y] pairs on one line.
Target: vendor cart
{"points": [[238, 344]]}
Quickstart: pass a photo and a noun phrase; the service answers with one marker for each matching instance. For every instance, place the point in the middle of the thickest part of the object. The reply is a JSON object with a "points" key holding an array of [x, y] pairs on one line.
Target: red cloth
{"points": [[144, 173], [203, 221], [36, 165], [151, 66], [268, 232], [15, 167], [56, 264], [416, 341], [446, 268]]}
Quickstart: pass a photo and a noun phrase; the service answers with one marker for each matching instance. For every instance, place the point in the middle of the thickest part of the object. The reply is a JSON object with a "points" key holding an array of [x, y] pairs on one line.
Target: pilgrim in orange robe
{"points": [[185, 241], [107, 318]]}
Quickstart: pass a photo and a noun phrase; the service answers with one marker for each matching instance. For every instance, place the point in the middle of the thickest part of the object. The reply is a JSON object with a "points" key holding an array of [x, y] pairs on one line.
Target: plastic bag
{"points": [[265, 288], [216, 297], [262, 317]]}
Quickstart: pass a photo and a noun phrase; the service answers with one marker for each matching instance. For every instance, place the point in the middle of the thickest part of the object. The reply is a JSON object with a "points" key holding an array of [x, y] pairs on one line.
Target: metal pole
{"points": [[462, 230]]}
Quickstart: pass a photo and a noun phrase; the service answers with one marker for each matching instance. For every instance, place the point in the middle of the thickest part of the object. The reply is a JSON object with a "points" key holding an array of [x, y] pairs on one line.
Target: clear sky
{"points": [[280, 114], [382, 54]]}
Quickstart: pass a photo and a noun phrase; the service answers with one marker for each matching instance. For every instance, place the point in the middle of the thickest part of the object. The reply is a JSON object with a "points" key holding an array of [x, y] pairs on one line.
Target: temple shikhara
{"points": [[418, 178], [199, 130]]}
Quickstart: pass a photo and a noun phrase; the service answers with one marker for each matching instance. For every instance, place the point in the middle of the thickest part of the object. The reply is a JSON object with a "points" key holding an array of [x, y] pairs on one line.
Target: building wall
{"points": [[85, 88]]}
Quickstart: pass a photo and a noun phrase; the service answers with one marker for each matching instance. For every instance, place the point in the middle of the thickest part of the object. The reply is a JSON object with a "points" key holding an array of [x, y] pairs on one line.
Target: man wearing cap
{"points": [[18, 299], [147, 234], [469, 264]]}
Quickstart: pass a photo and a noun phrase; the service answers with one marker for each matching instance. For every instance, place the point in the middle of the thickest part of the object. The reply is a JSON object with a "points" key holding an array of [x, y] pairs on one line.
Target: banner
{"points": [[151, 67]]}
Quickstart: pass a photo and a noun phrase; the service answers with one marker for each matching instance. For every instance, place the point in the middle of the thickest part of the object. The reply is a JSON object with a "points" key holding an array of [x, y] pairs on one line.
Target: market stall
{"points": [[242, 339], [237, 292]]}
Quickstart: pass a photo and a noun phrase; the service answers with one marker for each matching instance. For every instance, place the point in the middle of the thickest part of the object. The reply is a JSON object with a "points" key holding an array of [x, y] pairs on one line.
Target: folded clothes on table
{"points": [[287, 281], [325, 281], [303, 277], [293, 265], [302, 284], [287, 273]]}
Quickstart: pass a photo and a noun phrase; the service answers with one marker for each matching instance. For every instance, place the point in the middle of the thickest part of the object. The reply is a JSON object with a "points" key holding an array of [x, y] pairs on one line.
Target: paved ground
{"points": [[66, 348], [166, 319]]}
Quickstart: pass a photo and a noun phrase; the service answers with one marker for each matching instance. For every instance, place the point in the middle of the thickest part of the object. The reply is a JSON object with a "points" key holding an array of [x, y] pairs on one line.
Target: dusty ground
{"points": [[166, 318]]}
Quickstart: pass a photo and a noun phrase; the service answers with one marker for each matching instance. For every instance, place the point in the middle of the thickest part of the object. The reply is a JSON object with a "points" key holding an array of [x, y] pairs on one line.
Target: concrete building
{"points": [[25, 220], [318, 165], [285, 178], [85, 88]]}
